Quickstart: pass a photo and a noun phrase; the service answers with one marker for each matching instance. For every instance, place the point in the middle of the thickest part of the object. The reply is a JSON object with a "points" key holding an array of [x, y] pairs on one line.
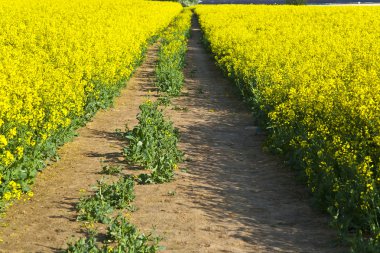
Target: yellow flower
{"points": [[13, 184], [313, 76], [8, 158], [7, 196], [3, 141], [12, 133], [369, 187], [48, 82], [19, 151]]}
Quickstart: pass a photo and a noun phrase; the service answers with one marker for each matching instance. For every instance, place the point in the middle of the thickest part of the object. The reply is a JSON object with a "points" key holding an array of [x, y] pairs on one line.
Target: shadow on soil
{"points": [[237, 180]]}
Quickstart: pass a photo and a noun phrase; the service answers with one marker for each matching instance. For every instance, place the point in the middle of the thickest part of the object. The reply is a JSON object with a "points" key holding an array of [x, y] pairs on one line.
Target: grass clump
{"points": [[111, 169], [153, 145], [171, 56], [121, 237], [108, 197]]}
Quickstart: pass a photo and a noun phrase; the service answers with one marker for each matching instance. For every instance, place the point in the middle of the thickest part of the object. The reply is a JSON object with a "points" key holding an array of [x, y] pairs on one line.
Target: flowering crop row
{"points": [[171, 55], [60, 61], [312, 75]]}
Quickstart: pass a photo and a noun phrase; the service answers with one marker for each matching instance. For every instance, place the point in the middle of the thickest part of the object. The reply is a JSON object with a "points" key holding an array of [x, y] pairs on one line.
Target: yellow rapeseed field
{"points": [[312, 74], [60, 61]]}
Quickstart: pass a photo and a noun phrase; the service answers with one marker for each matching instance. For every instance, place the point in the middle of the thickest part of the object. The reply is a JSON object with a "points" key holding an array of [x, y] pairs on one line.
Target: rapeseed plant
{"points": [[311, 75], [60, 62]]}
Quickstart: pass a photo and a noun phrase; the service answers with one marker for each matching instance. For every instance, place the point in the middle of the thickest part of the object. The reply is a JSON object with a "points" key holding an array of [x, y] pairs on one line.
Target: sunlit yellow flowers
{"points": [[312, 75], [60, 61]]}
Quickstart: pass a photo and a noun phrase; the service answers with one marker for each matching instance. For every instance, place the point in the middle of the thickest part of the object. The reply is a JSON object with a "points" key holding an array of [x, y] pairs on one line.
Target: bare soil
{"points": [[230, 196]]}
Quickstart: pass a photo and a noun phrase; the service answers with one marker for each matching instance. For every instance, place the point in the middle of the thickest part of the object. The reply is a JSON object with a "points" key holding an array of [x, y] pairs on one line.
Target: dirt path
{"points": [[45, 223], [233, 197]]}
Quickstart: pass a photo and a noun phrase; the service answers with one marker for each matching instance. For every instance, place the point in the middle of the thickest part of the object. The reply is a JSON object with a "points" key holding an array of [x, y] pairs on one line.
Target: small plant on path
{"points": [[121, 237], [111, 169], [107, 198], [153, 144]]}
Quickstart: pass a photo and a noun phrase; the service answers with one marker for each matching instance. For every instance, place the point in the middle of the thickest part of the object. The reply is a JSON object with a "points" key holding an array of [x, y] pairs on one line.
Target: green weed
{"points": [[111, 169], [153, 144], [107, 198], [121, 237], [128, 238], [84, 245], [171, 56]]}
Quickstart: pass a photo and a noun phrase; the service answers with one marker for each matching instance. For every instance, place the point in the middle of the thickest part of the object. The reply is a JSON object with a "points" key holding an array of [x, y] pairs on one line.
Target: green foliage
{"points": [[121, 237], [164, 100], [153, 144], [84, 245], [169, 78], [171, 56], [121, 193], [111, 169], [129, 239], [107, 198], [94, 208], [144, 179]]}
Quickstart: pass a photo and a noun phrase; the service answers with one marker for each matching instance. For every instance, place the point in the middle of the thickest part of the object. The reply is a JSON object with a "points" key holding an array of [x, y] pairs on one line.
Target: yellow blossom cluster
{"points": [[11, 190], [60, 61], [312, 74]]}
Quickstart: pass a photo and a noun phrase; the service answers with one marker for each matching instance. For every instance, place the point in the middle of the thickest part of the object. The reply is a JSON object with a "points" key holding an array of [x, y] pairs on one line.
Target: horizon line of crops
{"points": [[312, 77], [60, 62]]}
